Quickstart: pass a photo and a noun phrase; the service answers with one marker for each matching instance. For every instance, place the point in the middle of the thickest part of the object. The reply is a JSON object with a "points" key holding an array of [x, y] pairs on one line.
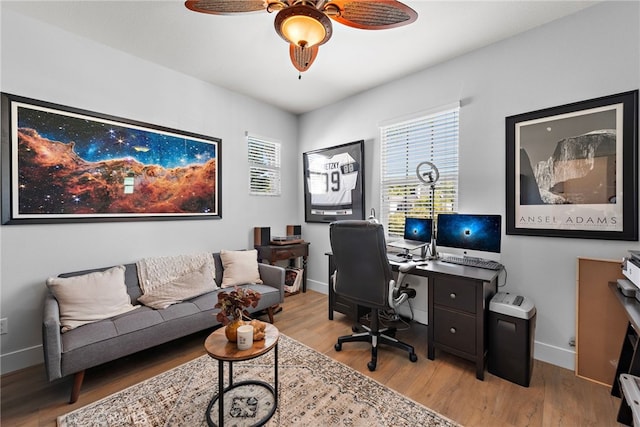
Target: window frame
{"points": [[436, 134], [270, 167]]}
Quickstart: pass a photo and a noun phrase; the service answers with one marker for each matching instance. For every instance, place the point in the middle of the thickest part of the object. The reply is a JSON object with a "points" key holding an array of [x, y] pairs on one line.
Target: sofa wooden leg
{"points": [[77, 383], [270, 312]]}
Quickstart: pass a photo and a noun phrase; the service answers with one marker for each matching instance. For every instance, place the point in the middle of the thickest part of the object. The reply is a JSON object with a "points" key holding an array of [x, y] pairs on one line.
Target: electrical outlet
{"points": [[4, 326]]}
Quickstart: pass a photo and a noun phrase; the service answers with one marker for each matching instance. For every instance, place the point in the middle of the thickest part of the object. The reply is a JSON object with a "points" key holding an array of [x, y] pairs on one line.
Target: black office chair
{"points": [[363, 274]]}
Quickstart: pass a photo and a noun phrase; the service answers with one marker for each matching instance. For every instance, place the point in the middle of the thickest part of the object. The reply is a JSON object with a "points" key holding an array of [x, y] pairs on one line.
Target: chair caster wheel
{"points": [[338, 347], [371, 366], [413, 357]]}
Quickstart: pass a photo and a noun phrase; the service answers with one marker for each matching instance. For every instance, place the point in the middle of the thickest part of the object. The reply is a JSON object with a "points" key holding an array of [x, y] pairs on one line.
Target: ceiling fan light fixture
{"points": [[303, 26]]}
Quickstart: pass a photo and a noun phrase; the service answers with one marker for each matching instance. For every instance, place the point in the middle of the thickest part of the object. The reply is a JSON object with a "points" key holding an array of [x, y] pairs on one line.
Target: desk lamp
{"points": [[429, 175]]}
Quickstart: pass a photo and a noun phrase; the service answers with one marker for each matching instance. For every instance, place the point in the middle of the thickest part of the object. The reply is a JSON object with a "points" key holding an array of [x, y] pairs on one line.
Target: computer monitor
{"points": [[417, 233], [469, 235]]}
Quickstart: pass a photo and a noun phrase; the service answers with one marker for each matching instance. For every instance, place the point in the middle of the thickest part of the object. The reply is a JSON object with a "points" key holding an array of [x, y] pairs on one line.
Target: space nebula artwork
{"points": [[72, 165]]}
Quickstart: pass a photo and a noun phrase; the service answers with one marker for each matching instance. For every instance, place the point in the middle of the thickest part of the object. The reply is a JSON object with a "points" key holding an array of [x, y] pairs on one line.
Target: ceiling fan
{"points": [[305, 24]]}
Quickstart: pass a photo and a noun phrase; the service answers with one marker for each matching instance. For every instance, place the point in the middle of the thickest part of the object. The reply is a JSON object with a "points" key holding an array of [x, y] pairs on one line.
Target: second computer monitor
{"points": [[418, 229]]}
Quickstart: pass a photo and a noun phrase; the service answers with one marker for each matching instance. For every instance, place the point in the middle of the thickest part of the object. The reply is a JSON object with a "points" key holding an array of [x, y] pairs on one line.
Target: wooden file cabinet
{"points": [[458, 309]]}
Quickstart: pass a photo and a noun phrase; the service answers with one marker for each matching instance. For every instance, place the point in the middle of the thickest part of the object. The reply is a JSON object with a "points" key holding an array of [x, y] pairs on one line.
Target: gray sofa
{"points": [[95, 343]]}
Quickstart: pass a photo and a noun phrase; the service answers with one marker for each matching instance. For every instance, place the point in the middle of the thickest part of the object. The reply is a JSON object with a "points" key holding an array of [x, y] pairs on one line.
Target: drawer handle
{"points": [[452, 295], [452, 330]]}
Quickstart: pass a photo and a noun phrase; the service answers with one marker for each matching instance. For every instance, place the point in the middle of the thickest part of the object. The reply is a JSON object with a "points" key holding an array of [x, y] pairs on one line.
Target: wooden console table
{"points": [[273, 253]]}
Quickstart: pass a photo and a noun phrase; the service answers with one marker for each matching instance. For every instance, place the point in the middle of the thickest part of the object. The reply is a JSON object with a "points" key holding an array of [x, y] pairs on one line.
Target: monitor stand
{"points": [[433, 253]]}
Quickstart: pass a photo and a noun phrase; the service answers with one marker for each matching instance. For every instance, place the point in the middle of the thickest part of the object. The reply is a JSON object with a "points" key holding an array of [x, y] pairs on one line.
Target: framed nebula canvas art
{"points": [[62, 164]]}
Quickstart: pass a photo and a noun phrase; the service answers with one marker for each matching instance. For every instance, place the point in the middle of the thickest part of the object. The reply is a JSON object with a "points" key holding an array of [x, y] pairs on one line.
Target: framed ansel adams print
{"points": [[334, 183], [63, 164], [572, 170]]}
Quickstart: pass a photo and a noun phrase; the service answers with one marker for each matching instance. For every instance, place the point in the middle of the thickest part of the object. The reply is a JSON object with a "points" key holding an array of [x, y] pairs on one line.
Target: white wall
{"points": [[593, 53], [42, 62]]}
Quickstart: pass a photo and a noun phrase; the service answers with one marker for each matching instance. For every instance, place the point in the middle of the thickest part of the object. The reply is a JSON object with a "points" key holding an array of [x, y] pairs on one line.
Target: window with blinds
{"points": [[264, 166], [432, 137]]}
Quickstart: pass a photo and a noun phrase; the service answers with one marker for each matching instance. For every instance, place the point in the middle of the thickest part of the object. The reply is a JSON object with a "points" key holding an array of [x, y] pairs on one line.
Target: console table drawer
{"points": [[283, 254], [455, 330], [455, 294]]}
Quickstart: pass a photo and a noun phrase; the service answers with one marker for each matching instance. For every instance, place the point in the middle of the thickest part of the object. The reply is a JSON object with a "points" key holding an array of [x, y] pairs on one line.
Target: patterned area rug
{"points": [[313, 390]]}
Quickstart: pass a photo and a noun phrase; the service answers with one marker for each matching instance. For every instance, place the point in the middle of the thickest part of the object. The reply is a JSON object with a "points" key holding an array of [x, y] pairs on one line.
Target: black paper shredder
{"points": [[512, 324]]}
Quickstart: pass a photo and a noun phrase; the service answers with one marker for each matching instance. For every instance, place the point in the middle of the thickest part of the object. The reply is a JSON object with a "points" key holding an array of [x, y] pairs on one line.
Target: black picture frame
{"points": [[62, 164], [334, 183], [572, 170]]}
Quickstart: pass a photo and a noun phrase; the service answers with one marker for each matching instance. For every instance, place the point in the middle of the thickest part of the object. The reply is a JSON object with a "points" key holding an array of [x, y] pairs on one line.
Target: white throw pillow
{"points": [[90, 297], [188, 286], [240, 267]]}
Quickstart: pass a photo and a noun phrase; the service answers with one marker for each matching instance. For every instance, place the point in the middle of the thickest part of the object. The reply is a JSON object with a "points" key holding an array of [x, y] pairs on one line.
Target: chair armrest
{"points": [[51, 339], [272, 275], [396, 297]]}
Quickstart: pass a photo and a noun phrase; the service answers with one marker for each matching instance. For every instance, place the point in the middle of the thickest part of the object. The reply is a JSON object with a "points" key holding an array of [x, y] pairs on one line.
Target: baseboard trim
{"points": [[555, 355], [21, 359], [318, 286]]}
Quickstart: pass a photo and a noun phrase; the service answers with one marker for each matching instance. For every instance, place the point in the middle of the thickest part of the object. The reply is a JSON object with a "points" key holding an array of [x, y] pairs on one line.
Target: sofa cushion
{"points": [[190, 285], [90, 297], [177, 311], [131, 321], [240, 267]]}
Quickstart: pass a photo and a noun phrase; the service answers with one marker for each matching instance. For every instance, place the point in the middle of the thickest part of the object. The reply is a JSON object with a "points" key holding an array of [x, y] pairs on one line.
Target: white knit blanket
{"points": [[157, 271]]}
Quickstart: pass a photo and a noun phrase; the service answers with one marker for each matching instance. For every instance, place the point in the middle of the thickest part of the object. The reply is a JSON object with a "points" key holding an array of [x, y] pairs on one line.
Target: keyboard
{"points": [[472, 262]]}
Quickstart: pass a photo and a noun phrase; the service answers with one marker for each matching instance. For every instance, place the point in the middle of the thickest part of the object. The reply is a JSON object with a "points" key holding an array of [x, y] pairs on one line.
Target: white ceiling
{"points": [[243, 53]]}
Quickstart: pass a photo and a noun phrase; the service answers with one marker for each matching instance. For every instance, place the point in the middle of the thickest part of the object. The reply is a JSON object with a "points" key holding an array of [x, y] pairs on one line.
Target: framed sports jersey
{"points": [[334, 183]]}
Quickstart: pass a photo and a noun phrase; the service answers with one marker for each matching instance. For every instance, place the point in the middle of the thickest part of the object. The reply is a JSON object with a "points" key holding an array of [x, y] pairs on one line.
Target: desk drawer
{"points": [[455, 330], [456, 294]]}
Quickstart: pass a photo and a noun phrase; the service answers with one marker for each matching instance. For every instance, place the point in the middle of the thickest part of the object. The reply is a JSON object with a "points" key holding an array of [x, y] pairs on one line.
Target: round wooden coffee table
{"points": [[242, 405]]}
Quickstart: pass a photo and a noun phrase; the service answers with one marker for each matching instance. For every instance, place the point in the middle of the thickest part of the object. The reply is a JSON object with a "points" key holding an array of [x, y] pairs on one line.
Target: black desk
{"points": [[458, 303]]}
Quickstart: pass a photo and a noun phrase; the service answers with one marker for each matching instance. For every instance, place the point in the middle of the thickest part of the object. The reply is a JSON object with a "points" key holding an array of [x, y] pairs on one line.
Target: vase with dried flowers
{"points": [[233, 307]]}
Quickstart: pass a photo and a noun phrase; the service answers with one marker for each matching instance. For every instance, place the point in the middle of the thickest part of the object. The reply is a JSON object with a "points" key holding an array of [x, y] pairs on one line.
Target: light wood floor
{"points": [[556, 397]]}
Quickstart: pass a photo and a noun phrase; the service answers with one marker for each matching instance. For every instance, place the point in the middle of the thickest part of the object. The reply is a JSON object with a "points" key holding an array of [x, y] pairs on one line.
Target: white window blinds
{"points": [[433, 138], [264, 166]]}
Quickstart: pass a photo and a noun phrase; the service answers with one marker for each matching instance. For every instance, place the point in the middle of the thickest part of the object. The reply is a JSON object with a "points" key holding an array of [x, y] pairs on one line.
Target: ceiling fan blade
{"points": [[225, 7], [302, 57], [373, 15]]}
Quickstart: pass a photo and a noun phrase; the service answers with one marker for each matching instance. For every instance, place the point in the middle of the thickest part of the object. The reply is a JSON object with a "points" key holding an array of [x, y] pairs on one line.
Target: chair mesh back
{"points": [[360, 256]]}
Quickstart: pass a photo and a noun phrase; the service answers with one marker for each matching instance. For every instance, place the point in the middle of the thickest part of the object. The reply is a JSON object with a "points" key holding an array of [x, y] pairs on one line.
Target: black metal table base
{"points": [[220, 396]]}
